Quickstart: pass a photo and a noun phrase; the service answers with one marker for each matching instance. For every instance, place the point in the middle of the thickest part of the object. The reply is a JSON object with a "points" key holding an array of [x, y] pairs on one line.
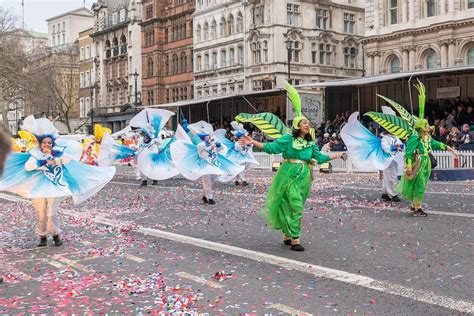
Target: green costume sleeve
{"points": [[411, 145], [278, 146], [437, 145], [318, 156]]}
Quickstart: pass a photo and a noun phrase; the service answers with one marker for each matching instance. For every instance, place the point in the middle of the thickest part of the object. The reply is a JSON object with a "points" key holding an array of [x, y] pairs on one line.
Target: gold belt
{"points": [[296, 161]]}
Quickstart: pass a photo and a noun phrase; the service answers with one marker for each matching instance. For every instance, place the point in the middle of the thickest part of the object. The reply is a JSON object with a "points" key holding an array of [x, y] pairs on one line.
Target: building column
{"points": [[444, 55], [404, 11], [411, 9], [411, 59], [451, 53], [405, 61], [370, 65], [377, 64], [376, 15], [451, 6], [443, 6]]}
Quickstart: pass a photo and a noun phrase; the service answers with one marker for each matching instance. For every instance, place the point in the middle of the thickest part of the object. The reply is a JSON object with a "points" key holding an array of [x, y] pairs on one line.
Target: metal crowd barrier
{"points": [[446, 160]]}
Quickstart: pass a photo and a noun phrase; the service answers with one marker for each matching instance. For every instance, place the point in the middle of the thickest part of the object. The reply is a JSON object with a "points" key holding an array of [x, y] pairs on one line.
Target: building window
{"points": [[214, 60], [87, 106], [431, 60], [183, 62], [64, 38], [256, 53], [81, 108], [395, 65], [122, 15], [296, 51], [393, 11], [88, 52], [149, 67], [430, 7], [349, 21], [222, 25], [149, 11], [258, 15], [205, 31], [293, 14], [81, 80], [230, 25], [206, 62], [81, 56], [240, 55], [199, 63], [470, 56], [322, 19], [213, 29], [54, 41], [325, 53], [223, 58], [314, 53], [470, 4], [231, 57], [350, 54], [175, 64], [198, 33], [240, 22]]}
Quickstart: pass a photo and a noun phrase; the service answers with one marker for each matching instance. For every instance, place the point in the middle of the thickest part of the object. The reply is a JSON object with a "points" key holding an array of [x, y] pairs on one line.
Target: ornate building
{"points": [[117, 63], [218, 48], [324, 39], [167, 44], [408, 35]]}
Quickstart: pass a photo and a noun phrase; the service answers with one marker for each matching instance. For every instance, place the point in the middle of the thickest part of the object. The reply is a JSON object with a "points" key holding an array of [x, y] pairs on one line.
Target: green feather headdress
{"points": [[294, 97]]}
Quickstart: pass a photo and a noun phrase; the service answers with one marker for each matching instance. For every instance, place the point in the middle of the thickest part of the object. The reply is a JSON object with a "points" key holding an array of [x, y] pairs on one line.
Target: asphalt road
{"points": [[131, 249]]}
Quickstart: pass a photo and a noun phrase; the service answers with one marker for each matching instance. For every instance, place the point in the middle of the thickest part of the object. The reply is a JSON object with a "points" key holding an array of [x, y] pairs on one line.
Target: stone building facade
{"points": [[167, 44], [410, 35]]}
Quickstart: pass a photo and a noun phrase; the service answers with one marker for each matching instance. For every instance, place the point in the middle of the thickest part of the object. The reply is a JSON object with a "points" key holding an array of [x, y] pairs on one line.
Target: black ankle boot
{"points": [[144, 183], [295, 245], [43, 241], [57, 241], [245, 183], [155, 182], [211, 202], [205, 200]]}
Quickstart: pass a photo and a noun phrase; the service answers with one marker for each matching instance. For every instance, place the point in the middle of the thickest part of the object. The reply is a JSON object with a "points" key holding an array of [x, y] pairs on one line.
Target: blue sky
{"points": [[37, 11]]}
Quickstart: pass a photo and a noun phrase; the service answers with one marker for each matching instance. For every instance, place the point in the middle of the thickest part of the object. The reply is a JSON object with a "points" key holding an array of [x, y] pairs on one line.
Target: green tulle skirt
{"points": [[285, 199], [414, 190]]}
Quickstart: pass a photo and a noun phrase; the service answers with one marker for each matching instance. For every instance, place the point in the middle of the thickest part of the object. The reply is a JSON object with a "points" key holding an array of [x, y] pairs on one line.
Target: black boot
{"points": [[43, 241], [155, 182], [205, 200], [57, 241], [287, 241], [211, 202], [419, 213], [295, 245], [395, 198], [385, 197], [245, 183], [144, 183], [237, 183]]}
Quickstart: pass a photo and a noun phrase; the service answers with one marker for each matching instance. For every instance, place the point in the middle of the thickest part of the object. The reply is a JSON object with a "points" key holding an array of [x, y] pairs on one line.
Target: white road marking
{"points": [[379, 189], [54, 263], [403, 210], [199, 280], [419, 295], [134, 258], [24, 276], [74, 264], [288, 309]]}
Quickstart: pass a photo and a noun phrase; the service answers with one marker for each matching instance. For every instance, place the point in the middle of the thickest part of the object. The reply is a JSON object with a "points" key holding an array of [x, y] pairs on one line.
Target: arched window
{"points": [[470, 56], [394, 65], [183, 62], [230, 25], [222, 26], [213, 29], [265, 52], [205, 31], [149, 67], [350, 54], [223, 58], [175, 64], [240, 22], [198, 63], [198, 33], [432, 60]]}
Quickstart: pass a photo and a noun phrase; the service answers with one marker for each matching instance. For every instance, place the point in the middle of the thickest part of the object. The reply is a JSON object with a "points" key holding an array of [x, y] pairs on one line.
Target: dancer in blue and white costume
{"points": [[49, 173], [154, 160], [392, 145], [110, 151], [241, 155], [202, 160]]}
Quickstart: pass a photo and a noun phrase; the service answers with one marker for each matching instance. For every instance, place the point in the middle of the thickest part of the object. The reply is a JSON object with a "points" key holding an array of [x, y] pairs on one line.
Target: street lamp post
{"points": [[135, 75], [93, 87], [289, 49]]}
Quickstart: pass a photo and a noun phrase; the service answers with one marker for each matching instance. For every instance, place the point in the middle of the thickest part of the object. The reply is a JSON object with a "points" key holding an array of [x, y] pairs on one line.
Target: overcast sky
{"points": [[37, 11]]}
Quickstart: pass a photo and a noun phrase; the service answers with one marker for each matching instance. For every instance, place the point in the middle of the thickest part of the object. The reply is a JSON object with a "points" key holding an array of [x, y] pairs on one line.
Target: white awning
{"points": [[383, 78]]}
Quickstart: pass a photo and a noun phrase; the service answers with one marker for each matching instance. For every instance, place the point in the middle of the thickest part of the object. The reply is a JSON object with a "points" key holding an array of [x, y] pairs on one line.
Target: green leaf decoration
{"points": [[421, 99], [393, 124], [405, 115], [294, 97], [268, 123]]}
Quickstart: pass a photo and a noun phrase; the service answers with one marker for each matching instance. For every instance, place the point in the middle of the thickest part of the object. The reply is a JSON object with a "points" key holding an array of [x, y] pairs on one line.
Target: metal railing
{"points": [[446, 160]]}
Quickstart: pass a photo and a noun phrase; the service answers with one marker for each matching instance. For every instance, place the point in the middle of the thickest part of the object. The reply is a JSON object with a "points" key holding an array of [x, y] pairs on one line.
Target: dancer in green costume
{"points": [[419, 144], [285, 200]]}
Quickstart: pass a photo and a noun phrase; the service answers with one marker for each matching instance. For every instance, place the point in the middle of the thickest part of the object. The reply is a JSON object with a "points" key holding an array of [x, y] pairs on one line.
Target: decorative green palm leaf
{"points": [[421, 99], [268, 123], [393, 124], [405, 115]]}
